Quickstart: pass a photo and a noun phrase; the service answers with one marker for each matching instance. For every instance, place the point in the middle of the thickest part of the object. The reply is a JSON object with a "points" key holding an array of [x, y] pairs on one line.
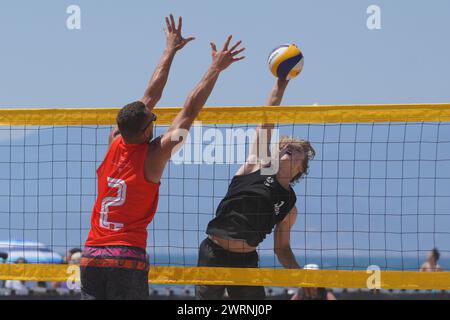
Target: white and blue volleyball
{"points": [[286, 61]]}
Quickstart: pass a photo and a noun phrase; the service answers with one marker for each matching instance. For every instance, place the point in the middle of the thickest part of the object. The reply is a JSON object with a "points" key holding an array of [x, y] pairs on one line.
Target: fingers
{"points": [[227, 43], [171, 25], [172, 21], [237, 52], [213, 46], [235, 46], [169, 28], [238, 59], [185, 42], [180, 24]]}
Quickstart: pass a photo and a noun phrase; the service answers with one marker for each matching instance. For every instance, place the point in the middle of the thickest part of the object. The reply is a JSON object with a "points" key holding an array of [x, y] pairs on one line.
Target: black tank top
{"points": [[253, 205]]}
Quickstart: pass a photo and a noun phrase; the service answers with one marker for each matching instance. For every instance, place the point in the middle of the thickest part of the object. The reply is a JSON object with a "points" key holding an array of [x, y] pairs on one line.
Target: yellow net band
{"points": [[409, 280], [240, 115]]}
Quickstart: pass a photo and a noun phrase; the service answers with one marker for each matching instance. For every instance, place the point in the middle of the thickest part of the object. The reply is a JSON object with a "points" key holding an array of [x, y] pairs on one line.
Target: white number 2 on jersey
{"points": [[113, 201]]}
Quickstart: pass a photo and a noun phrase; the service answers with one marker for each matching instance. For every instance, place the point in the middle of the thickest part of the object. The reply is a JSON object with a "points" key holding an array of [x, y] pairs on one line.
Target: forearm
{"points": [[198, 97], [264, 131], [155, 87], [287, 258], [261, 143], [277, 92]]}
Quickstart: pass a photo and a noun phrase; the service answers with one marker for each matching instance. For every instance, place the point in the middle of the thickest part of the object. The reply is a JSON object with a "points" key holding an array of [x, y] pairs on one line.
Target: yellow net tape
{"points": [[240, 115], [409, 280]]}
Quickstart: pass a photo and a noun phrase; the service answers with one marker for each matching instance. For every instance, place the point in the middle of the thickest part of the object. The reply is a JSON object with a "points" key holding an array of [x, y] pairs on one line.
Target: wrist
{"points": [[215, 69], [170, 50]]}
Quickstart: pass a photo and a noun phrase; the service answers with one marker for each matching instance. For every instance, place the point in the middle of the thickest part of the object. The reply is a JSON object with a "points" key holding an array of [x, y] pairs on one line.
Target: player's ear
{"points": [[300, 168], [149, 132]]}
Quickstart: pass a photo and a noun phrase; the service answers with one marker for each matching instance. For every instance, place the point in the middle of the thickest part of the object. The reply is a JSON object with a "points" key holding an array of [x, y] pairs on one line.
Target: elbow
{"points": [[150, 101]]}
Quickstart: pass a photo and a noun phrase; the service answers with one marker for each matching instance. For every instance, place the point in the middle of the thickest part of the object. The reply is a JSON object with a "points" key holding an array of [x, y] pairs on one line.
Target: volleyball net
{"points": [[377, 195]]}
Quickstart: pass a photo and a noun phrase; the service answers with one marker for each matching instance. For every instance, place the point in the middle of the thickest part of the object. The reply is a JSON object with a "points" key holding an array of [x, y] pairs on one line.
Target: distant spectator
{"points": [[432, 261], [17, 285], [170, 292], [3, 256], [187, 292], [73, 256], [70, 253], [313, 293]]}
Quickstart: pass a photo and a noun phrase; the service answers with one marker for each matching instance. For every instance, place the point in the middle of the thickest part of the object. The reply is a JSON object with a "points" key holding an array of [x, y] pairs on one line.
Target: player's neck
{"points": [[133, 141], [284, 180]]}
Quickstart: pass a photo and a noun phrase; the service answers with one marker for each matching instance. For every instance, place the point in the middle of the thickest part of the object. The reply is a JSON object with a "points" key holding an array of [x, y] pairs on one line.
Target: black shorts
{"points": [[212, 255], [114, 273]]}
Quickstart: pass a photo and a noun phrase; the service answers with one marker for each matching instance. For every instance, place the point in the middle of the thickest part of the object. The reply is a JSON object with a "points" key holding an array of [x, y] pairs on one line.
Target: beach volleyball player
{"points": [[255, 204], [114, 264]]}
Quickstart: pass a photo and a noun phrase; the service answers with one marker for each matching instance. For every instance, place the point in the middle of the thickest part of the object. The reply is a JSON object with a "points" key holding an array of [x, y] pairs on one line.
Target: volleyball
{"points": [[286, 61]]}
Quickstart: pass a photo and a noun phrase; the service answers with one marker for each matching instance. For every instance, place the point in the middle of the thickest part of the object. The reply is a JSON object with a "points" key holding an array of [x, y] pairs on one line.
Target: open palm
{"points": [[174, 38]]}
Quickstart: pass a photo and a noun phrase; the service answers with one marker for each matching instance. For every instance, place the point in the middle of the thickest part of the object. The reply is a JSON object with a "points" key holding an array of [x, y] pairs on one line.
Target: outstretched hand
{"points": [[223, 59], [175, 40]]}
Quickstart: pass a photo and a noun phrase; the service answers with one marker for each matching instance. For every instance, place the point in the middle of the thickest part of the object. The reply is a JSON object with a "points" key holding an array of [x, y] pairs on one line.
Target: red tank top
{"points": [[126, 201]]}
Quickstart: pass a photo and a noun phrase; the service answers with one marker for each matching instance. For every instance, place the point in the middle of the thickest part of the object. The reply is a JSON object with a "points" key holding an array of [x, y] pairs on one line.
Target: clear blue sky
{"points": [[109, 61]]}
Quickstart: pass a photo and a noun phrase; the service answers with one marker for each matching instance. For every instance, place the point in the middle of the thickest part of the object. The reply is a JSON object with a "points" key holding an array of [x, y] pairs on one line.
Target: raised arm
{"points": [[155, 87], [174, 42], [161, 148], [263, 134]]}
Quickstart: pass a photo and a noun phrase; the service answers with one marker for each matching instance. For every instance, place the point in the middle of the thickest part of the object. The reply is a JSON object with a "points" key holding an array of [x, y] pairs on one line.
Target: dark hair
{"points": [[435, 253], [132, 118], [74, 250]]}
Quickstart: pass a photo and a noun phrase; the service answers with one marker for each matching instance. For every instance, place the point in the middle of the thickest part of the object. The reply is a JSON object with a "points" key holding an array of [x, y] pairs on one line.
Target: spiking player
{"points": [[254, 204]]}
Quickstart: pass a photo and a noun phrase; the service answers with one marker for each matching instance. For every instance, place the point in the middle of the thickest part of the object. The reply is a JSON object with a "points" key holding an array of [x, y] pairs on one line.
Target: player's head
{"points": [[21, 260], [314, 293], [70, 253], [135, 123], [434, 255], [295, 155]]}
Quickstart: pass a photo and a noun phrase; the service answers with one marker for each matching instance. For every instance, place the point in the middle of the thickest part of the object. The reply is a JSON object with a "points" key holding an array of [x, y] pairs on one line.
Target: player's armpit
{"points": [[160, 151]]}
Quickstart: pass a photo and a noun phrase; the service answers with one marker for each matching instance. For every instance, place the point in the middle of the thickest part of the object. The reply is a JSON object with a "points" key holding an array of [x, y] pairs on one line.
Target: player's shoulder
{"points": [[246, 169]]}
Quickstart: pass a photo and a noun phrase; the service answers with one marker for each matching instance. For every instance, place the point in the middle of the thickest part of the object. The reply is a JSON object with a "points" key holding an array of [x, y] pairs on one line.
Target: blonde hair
{"points": [[303, 146]]}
